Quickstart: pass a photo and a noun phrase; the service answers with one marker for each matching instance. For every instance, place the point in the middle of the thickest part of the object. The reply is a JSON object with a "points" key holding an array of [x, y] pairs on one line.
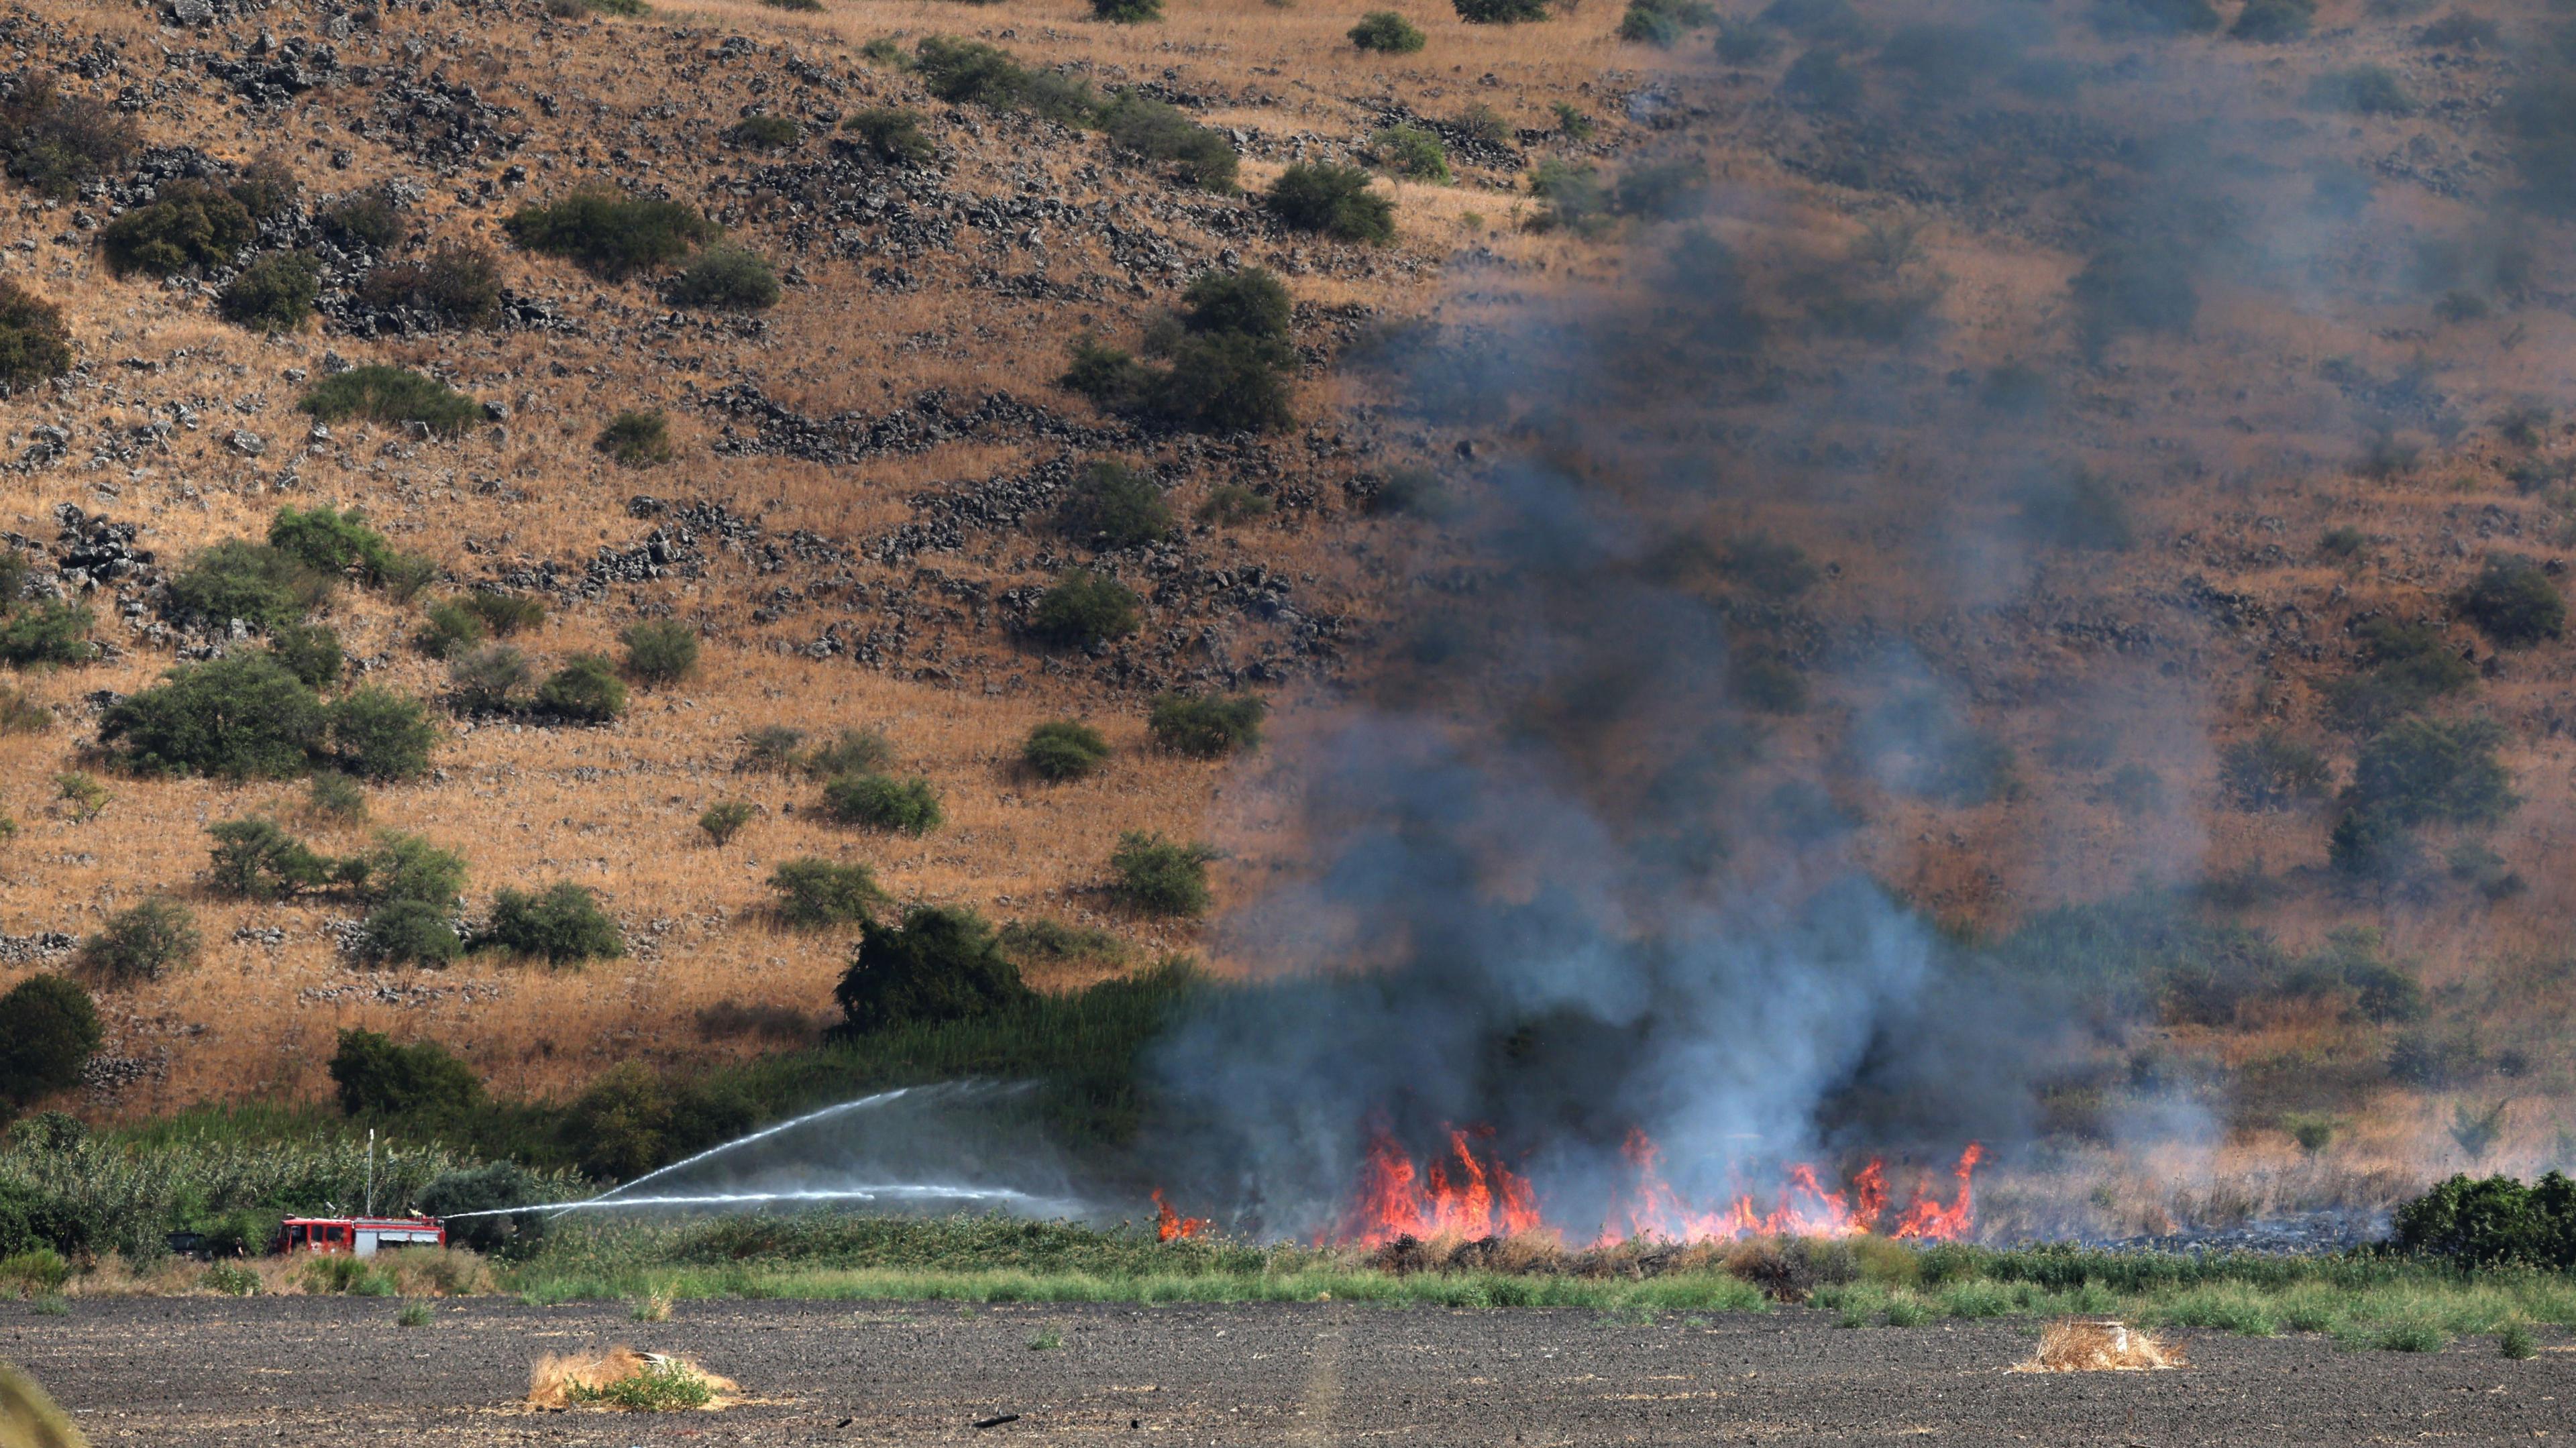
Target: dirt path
{"points": [[338, 1371]]}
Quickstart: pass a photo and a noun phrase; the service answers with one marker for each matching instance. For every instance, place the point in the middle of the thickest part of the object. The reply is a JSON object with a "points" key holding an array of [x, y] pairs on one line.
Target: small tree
{"points": [[48, 1031], [393, 396], [407, 867], [562, 923], [2513, 603], [660, 651], [813, 894], [142, 942], [1250, 300], [585, 688], [1331, 198], [51, 633], [877, 801], [1111, 505], [243, 717], [364, 222], [1388, 33], [772, 749], [1207, 726], [637, 439], [764, 132], [941, 964], [410, 932], [1064, 750], [725, 819], [2270, 771], [378, 734], [373, 1076], [469, 1201], [2423, 769], [81, 794], [1084, 608], [1499, 12], [504, 614], [890, 135], [449, 628], [260, 584], [256, 859], [487, 680], [1159, 876]]}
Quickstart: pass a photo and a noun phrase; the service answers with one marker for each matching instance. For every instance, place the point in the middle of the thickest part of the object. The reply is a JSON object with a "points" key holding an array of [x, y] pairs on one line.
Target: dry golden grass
{"points": [[2099, 1345], [565, 1380]]}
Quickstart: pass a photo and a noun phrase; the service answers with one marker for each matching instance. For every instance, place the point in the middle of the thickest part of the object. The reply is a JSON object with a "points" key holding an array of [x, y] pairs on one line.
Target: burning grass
{"points": [[2099, 1345], [625, 1380]]}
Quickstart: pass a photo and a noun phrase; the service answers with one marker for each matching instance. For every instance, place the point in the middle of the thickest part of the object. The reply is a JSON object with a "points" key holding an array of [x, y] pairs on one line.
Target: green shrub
{"points": [[374, 1077], [1224, 382], [407, 867], [267, 187], [410, 932], [882, 802], [724, 819], [142, 942], [2514, 1342], [631, 1118], [56, 143], [1500, 12], [2270, 771], [1084, 608], [964, 70], [2408, 666], [261, 585], [2273, 20], [334, 796], [636, 439], [2492, 1223], [586, 688], [2361, 90], [331, 542], [851, 751], [34, 343], [85, 797], [609, 233], [256, 859], [243, 717], [1249, 300], [729, 278], [449, 628], [890, 135], [380, 735], [813, 894], [1388, 33], [1126, 12], [1229, 505], [563, 923], [1053, 942], [188, 226], [48, 1031], [52, 632], [406, 574], [274, 293], [764, 132], [1109, 376], [1139, 125], [2513, 602], [454, 1196], [1109, 506], [367, 221], [1207, 726], [1663, 23], [1160, 877], [773, 749], [656, 1387], [503, 614], [459, 285], [1413, 151], [1576, 197], [393, 396], [940, 964], [1064, 750], [1333, 199], [2422, 770], [660, 651], [309, 651]]}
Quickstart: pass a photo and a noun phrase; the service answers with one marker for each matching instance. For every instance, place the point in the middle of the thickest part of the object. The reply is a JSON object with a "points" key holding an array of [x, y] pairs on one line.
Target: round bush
{"points": [[378, 734], [48, 1031], [1084, 608], [730, 278], [940, 965], [142, 942], [660, 651], [813, 894], [188, 226], [1386, 32], [1499, 12], [610, 233], [1159, 876], [1207, 727], [392, 395], [1112, 506], [274, 293], [563, 923], [636, 439], [877, 801], [1333, 199], [507, 1235], [2514, 603], [34, 343], [586, 688], [244, 717], [1064, 750]]}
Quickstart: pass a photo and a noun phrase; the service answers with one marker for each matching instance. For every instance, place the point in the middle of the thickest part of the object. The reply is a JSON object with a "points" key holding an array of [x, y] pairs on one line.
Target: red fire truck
{"points": [[361, 1236]]}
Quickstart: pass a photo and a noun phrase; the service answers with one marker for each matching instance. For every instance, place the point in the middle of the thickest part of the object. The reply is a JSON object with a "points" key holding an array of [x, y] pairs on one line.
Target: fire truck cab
{"points": [[359, 1236]]}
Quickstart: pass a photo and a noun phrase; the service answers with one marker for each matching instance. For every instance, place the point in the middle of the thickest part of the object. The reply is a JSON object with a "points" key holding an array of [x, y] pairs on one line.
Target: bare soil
{"points": [[339, 1371]]}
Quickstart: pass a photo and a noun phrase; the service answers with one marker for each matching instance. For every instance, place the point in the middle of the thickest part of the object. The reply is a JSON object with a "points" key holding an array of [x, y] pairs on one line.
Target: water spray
{"points": [[892, 1191]]}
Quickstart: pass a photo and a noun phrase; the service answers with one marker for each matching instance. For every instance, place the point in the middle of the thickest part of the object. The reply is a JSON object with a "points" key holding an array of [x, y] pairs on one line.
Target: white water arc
{"points": [[893, 1191]]}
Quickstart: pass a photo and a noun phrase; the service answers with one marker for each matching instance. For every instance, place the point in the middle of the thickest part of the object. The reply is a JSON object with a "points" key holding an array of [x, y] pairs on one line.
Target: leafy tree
{"points": [[487, 679], [633, 1119], [1500, 12], [34, 343], [724, 819], [940, 964], [877, 801], [1333, 199], [1251, 300], [367, 221], [890, 135], [1411, 151], [410, 932], [1110, 505], [378, 734], [1160, 876], [585, 688], [48, 1031], [56, 143], [813, 894], [610, 233], [1207, 726], [2513, 603], [256, 859], [1064, 749], [375, 1077], [1126, 12], [243, 717], [187, 226], [563, 923], [262, 585], [1152, 130], [84, 796], [1084, 608], [1224, 382], [1388, 33], [407, 867], [142, 942], [660, 651], [852, 751]]}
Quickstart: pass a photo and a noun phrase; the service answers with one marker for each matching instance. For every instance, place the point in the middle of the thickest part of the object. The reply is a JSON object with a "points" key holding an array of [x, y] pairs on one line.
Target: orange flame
{"points": [[1169, 1224], [1468, 1191]]}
